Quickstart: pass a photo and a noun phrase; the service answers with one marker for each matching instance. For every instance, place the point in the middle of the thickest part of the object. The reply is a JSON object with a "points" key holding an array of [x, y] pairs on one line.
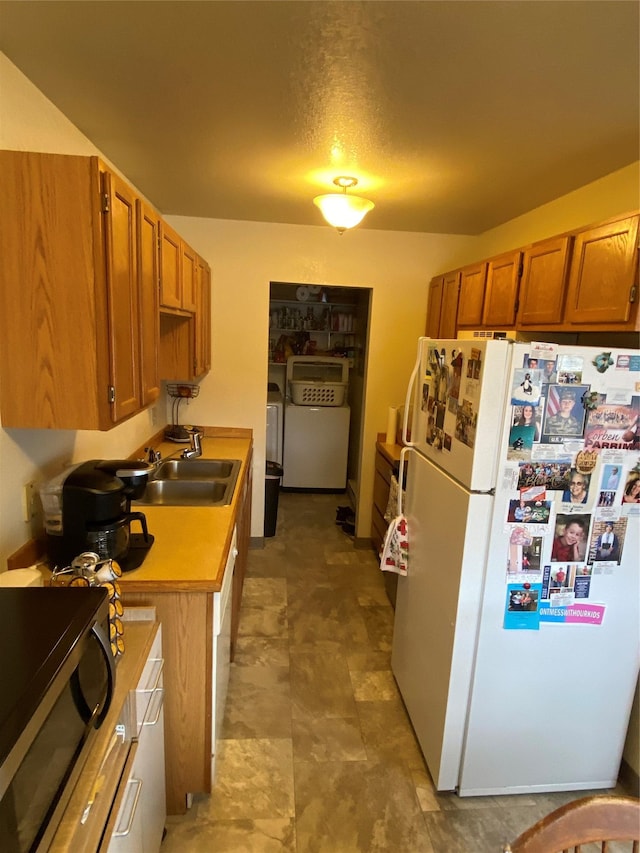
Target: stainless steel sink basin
{"points": [[187, 493], [192, 482], [196, 469]]}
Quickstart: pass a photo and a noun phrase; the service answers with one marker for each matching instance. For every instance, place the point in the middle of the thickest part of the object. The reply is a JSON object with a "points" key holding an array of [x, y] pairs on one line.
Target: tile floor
{"points": [[318, 755]]}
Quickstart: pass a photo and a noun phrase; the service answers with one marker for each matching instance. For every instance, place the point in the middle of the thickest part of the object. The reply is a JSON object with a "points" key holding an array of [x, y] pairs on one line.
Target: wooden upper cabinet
{"points": [[434, 304], [69, 306], [473, 281], [170, 267], [122, 302], [189, 275], [449, 310], [148, 225], [602, 290], [543, 283], [503, 276]]}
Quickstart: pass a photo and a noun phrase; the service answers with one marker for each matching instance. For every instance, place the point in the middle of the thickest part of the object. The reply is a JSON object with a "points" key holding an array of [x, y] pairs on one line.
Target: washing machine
{"points": [[275, 423], [316, 423]]}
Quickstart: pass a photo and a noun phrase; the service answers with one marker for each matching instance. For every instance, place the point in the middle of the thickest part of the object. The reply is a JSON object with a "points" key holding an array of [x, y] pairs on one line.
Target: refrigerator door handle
{"points": [[409, 399], [401, 469]]}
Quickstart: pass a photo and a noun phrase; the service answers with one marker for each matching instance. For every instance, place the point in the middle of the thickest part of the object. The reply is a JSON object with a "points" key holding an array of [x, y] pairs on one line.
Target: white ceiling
{"points": [[455, 116]]}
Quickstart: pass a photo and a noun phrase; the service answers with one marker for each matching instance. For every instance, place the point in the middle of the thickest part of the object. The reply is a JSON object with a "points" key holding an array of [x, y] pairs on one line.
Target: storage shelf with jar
{"points": [[317, 328]]}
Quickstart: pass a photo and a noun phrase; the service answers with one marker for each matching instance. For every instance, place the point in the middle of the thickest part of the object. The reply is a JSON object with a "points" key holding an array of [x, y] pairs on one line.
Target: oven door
{"points": [[37, 778]]}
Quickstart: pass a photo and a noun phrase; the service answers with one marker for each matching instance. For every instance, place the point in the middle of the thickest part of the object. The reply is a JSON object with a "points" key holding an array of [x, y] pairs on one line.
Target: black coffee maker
{"points": [[88, 508]]}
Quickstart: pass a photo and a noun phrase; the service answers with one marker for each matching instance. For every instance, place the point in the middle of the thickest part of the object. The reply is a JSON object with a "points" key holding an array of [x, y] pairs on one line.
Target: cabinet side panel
{"points": [[434, 307], [148, 284], [49, 234], [449, 310]]}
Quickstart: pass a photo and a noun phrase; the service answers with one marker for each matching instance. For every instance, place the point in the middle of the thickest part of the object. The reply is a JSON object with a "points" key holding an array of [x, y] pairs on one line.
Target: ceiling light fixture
{"points": [[341, 210]]}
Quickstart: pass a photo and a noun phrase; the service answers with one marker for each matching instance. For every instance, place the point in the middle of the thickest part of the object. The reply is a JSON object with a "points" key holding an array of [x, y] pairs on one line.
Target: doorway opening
{"points": [[322, 331]]}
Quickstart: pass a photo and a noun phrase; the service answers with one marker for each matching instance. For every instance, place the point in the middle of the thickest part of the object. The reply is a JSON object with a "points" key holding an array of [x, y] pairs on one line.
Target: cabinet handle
{"points": [[160, 694], [122, 832], [157, 680]]}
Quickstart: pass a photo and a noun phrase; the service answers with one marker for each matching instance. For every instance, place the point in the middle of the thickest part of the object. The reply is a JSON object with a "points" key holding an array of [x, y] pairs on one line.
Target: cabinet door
{"points": [[449, 310], [54, 357], [189, 274], [122, 297], [473, 280], [203, 319], [148, 223], [503, 276], [542, 288], [170, 267], [602, 277], [434, 305]]}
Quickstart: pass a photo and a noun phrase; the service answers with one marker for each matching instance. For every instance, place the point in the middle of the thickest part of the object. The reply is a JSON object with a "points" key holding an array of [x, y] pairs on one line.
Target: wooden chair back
{"points": [[599, 819]]}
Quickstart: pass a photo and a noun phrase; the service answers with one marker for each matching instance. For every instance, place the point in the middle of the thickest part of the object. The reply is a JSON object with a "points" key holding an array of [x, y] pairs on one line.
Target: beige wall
{"points": [[616, 193], [246, 256]]}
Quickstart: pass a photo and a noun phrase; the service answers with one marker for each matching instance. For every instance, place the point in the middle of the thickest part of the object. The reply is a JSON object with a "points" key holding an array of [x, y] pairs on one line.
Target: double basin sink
{"points": [[192, 482]]}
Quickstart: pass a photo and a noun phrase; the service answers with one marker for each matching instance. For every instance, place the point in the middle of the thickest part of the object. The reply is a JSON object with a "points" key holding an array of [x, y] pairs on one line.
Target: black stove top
{"points": [[39, 626]]}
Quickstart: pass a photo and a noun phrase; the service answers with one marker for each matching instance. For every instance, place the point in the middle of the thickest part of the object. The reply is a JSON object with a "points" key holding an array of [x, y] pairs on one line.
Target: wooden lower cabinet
{"points": [[187, 625], [187, 620], [387, 462]]}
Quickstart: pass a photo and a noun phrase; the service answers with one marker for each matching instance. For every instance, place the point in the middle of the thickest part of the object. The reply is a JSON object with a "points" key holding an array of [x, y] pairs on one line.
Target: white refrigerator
{"points": [[516, 640]]}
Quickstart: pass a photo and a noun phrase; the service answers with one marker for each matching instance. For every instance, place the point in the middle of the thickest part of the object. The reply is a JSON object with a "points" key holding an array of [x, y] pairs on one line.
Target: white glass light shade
{"points": [[343, 211]]}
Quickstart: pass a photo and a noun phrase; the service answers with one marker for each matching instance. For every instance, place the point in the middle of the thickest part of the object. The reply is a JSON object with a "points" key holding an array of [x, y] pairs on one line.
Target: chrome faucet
{"points": [[195, 448], [153, 456]]}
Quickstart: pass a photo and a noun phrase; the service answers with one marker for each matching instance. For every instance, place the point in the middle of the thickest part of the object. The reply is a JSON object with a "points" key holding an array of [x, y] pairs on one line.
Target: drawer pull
{"points": [[160, 701], [159, 661], [120, 833]]}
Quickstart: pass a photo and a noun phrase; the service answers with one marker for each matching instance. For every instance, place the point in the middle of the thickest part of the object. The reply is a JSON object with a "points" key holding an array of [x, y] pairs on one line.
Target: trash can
{"points": [[273, 474]]}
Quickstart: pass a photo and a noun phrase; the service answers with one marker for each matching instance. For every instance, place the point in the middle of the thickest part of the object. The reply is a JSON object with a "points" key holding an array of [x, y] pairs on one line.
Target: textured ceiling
{"points": [[455, 116]]}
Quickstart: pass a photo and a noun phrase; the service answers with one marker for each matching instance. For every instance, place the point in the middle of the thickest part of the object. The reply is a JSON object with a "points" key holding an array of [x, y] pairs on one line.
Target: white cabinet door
{"points": [[149, 766], [140, 823]]}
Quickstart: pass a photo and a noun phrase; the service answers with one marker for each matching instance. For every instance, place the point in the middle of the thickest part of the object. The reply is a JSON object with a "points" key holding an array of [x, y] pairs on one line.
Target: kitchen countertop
{"points": [[191, 543]]}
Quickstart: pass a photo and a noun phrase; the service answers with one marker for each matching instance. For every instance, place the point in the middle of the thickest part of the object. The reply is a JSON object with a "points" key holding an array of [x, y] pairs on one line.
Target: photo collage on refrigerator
{"points": [[450, 396], [573, 475]]}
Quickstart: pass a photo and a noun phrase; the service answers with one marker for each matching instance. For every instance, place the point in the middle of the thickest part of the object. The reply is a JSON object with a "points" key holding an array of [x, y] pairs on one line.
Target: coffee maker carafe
{"points": [[87, 508]]}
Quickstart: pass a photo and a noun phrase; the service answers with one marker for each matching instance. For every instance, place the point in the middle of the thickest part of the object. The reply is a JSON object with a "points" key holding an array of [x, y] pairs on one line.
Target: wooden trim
{"points": [[29, 554], [629, 778]]}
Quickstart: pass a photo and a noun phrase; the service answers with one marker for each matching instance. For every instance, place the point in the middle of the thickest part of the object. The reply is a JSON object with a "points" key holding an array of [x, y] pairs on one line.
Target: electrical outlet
{"points": [[29, 501]]}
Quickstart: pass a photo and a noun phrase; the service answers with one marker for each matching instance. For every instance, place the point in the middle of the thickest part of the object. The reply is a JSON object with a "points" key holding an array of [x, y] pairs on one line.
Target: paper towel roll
{"points": [[392, 423], [22, 577]]}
